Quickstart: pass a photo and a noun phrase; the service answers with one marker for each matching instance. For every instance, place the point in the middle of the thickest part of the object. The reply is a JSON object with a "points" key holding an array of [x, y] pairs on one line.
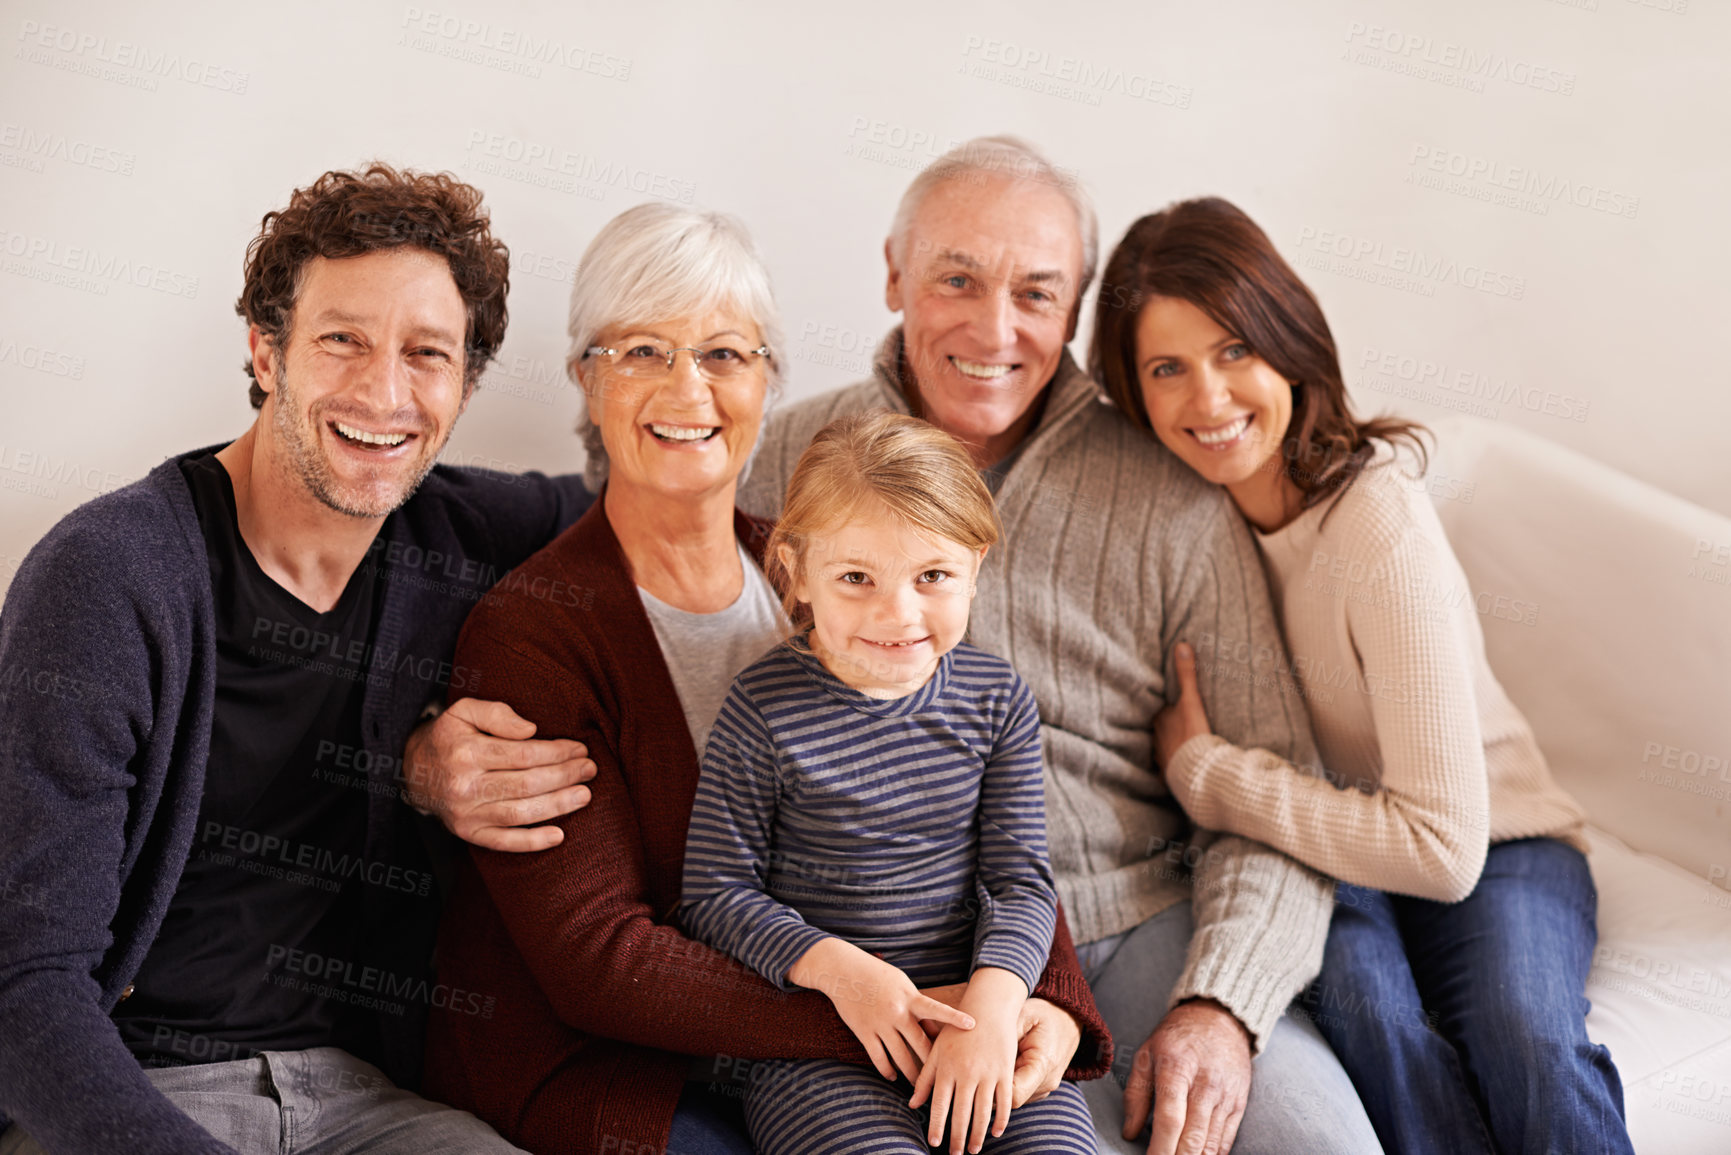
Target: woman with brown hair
{"points": [[1453, 981]]}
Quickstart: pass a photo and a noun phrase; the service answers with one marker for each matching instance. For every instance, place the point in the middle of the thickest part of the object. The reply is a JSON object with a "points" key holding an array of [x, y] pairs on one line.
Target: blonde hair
{"points": [[918, 472]]}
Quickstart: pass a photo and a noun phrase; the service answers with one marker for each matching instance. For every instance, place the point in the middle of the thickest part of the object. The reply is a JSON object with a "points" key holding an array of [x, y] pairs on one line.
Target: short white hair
{"points": [[1012, 158], [656, 262]]}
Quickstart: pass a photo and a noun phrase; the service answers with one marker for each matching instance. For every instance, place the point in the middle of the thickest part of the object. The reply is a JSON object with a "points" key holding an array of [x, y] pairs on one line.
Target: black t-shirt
{"points": [[268, 910]]}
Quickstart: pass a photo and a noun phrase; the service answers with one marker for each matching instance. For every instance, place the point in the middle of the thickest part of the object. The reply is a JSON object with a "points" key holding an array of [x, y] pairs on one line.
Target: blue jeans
{"points": [[710, 1120], [1300, 1099], [1463, 1025]]}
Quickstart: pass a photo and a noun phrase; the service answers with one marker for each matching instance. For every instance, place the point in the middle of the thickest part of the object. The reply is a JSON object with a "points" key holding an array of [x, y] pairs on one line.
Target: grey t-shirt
{"points": [[705, 652]]}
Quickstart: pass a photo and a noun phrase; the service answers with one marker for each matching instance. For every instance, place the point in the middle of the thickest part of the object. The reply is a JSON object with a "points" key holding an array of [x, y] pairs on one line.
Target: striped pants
{"points": [[824, 1107]]}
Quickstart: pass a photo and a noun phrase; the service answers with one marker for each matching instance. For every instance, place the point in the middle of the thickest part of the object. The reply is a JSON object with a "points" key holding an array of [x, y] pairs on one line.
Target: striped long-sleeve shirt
{"points": [[1114, 551], [913, 827]]}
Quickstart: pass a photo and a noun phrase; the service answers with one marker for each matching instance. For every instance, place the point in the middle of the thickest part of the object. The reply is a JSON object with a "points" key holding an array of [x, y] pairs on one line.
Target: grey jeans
{"points": [[318, 1102], [1300, 1097]]}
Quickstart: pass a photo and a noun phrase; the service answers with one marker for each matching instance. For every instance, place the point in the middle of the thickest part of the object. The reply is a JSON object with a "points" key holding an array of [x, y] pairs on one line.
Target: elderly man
{"points": [[220, 907], [1114, 552]]}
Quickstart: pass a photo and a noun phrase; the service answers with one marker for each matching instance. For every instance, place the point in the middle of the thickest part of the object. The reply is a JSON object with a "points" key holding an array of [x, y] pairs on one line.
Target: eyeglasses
{"points": [[648, 358]]}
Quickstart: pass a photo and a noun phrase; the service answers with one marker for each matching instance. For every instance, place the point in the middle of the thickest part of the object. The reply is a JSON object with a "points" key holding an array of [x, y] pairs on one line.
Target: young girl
{"points": [[871, 814], [1452, 984]]}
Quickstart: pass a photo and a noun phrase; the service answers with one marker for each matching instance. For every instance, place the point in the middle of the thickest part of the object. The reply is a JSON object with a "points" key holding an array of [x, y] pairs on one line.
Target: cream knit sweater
{"points": [[1114, 551], [1427, 759]]}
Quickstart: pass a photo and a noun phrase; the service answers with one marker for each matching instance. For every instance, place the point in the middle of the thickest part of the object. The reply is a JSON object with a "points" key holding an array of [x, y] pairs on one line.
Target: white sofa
{"points": [[1606, 605]]}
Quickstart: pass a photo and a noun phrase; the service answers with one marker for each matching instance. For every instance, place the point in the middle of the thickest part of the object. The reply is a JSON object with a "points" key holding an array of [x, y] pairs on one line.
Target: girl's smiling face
{"points": [[887, 600]]}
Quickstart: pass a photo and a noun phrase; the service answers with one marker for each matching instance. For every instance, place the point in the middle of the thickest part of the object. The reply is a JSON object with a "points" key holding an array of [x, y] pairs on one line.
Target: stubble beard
{"points": [[297, 433]]}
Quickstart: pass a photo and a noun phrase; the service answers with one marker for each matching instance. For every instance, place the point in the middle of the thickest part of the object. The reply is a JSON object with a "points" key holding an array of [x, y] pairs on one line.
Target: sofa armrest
{"points": [[1606, 606]]}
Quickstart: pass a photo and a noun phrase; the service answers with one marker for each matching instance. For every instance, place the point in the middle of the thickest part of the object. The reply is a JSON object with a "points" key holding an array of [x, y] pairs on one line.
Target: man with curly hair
{"points": [[220, 908]]}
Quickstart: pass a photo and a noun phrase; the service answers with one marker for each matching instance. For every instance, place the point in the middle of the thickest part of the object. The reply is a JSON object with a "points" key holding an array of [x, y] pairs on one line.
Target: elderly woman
{"points": [[575, 1008]]}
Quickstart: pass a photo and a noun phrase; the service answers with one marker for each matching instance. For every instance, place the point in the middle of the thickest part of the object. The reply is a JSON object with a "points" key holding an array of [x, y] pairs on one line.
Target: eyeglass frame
{"points": [[673, 355]]}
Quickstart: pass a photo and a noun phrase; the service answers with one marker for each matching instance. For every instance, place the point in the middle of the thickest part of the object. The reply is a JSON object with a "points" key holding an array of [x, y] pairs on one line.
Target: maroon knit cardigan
{"points": [[573, 1004]]}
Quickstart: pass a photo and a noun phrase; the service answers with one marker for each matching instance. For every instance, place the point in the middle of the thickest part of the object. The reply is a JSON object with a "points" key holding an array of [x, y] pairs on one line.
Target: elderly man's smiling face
{"points": [[987, 281]]}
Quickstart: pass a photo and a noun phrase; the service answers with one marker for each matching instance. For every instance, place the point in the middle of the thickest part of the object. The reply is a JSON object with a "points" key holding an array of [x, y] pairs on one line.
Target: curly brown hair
{"points": [[1210, 253], [347, 214]]}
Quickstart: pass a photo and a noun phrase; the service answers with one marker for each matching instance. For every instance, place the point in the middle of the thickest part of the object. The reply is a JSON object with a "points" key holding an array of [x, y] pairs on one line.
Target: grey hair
{"points": [[656, 262], [1004, 156]]}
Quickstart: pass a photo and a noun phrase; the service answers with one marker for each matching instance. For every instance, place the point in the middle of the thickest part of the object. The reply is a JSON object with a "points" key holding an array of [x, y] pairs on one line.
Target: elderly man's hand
{"points": [[1195, 1072], [478, 767]]}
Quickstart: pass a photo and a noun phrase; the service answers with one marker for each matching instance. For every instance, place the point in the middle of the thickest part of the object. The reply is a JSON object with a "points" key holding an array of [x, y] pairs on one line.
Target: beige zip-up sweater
{"points": [[1387, 652], [1115, 551]]}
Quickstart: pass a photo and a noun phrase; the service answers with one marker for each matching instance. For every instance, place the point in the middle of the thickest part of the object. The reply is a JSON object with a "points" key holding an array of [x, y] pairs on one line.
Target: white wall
{"points": [[138, 150]]}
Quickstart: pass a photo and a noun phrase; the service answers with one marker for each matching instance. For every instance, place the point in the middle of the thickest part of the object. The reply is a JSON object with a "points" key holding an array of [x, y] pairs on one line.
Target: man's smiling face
{"points": [[370, 382], [987, 281]]}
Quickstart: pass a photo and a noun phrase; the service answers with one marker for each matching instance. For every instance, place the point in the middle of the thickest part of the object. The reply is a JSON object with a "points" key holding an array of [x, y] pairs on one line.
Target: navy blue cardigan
{"points": [[107, 690]]}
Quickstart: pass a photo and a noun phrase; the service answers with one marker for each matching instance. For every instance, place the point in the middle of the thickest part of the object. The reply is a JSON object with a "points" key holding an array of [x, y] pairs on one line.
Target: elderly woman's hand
{"points": [[1050, 1036], [1184, 719]]}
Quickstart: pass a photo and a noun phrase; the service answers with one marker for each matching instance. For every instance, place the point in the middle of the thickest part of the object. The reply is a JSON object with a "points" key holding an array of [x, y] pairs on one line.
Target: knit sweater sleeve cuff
{"points": [[1093, 1057], [1254, 1000], [1063, 986], [1261, 924]]}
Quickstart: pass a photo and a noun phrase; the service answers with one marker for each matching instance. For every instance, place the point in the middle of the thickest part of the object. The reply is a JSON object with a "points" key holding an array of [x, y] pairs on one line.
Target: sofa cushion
{"points": [[1606, 606], [1660, 986]]}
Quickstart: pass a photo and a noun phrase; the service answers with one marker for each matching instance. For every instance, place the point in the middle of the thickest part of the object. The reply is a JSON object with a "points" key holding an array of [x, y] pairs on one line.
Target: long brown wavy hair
{"points": [[348, 214], [1210, 253]]}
